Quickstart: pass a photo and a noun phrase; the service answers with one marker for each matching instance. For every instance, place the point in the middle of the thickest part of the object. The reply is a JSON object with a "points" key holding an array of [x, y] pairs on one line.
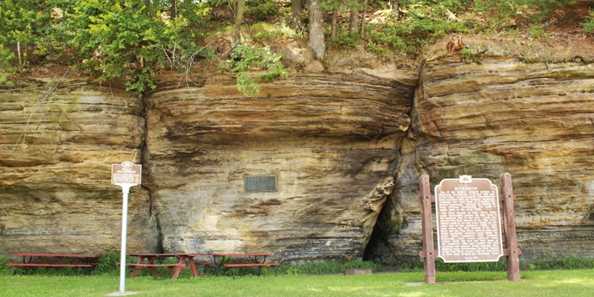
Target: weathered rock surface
{"points": [[534, 120], [57, 144], [331, 141]]}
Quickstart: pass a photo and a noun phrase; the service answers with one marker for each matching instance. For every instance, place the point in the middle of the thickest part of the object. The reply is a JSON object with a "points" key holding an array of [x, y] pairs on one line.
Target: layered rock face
{"points": [[57, 143], [326, 145], [534, 120]]}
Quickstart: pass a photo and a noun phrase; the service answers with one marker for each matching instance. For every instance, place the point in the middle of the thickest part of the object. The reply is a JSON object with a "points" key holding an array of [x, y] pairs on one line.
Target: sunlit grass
{"points": [[572, 283]]}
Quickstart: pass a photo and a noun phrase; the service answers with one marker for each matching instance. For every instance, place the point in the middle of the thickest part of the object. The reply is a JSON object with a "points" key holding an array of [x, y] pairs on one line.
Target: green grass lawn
{"points": [[571, 283]]}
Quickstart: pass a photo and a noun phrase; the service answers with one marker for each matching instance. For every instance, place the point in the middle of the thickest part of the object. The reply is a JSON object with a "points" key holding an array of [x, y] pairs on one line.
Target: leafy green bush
{"points": [[346, 39], [537, 31], [108, 262], [471, 55], [118, 41], [548, 263], [245, 58], [21, 22], [4, 269], [6, 68], [589, 23], [260, 10]]}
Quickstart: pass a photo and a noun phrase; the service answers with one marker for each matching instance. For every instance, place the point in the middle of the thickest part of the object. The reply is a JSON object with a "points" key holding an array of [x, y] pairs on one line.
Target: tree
{"points": [[239, 11], [334, 7], [316, 29], [355, 17], [363, 16], [296, 8], [395, 5]]}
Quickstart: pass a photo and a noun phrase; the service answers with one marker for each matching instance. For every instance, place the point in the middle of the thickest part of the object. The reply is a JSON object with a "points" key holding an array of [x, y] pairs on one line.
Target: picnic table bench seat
{"points": [[54, 260], [249, 265], [144, 265], [43, 265]]}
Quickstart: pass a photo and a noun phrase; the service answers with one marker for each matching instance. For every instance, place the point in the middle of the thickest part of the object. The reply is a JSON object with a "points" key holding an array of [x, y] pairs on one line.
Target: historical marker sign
{"points": [[468, 220], [126, 173]]}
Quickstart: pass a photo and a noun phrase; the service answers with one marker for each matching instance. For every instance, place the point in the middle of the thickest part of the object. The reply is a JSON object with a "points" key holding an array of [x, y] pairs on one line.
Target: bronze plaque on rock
{"points": [[468, 220], [259, 183]]}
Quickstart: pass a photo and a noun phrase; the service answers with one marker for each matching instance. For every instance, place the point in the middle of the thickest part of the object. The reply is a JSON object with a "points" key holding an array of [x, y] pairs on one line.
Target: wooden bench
{"points": [[249, 265], [255, 261], [147, 261], [50, 260]]}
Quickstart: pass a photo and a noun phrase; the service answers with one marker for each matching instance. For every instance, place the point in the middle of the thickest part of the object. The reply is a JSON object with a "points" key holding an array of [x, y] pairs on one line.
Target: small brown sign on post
{"points": [[126, 173], [469, 223]]}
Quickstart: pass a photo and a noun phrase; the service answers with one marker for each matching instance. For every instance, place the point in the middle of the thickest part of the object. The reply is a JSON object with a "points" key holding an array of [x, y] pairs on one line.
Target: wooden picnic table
{"points": [[84, 261], [255, 260], [147, 261]]}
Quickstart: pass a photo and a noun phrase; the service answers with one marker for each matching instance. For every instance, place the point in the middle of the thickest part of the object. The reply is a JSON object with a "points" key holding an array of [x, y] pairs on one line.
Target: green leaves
{"points": [[245, 58], [588, 25]]}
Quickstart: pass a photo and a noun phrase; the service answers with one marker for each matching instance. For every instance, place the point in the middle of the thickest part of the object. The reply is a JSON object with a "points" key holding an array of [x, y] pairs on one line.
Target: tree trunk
{"points": [[173, 9], [239, 10], [395, 4], [316, 29], [363, 15], [334, 23], [355, 20], [296, 8]]}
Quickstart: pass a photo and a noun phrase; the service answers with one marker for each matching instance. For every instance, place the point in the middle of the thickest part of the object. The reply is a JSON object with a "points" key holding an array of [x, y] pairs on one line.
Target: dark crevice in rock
{"points": [[378, 247], [144, 156]]}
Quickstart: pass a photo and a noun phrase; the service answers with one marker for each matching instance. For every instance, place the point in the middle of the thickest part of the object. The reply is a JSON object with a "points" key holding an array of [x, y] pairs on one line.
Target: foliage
{"points": [[551, 262], [471, 55], [118, 41], [6, 68], [108, 262], [260, 10], [4, 269], [536, 31], [20, 22], [410, 33], [589, 23], [245, 58], [132, 40], [346, 39], [265, 32]]}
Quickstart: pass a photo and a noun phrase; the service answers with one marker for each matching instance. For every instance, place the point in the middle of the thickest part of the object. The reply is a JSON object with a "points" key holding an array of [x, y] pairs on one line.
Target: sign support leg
{"points": [[427, 229], [122, 289], [513, 258]]}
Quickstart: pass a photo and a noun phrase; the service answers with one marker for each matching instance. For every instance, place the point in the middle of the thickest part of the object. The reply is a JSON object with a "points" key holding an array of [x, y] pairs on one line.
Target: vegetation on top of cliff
{"points": [[132, 41]]}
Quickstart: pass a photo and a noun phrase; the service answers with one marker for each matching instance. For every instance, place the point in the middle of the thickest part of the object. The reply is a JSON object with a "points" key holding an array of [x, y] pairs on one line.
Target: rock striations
{"points": [[315, 166], [330, 141], [57, 141], [534, 120]]}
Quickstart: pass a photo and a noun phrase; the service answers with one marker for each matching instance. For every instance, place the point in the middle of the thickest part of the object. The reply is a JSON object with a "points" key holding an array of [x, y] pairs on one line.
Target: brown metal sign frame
{"points": [[511, 249]]}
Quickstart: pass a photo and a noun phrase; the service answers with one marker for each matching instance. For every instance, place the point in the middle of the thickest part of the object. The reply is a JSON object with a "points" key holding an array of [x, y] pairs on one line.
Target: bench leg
{"points": [[136, 270], [153, 270], [181, 264], [194, 269], [176, 272]]}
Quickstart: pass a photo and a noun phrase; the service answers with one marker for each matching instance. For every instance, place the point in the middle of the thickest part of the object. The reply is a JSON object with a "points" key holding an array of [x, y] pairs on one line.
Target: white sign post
{"points": [[125, 175]]}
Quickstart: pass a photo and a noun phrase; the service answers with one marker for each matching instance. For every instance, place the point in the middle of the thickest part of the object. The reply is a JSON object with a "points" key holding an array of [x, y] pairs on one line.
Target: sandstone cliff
{"points": [[527, 111], [343, 147], [330, 141], [57, 141]]}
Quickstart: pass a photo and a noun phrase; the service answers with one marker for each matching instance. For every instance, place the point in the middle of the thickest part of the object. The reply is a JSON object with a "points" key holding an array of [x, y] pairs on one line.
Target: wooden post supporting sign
{"points": [[513, 257], [427, 229]]}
